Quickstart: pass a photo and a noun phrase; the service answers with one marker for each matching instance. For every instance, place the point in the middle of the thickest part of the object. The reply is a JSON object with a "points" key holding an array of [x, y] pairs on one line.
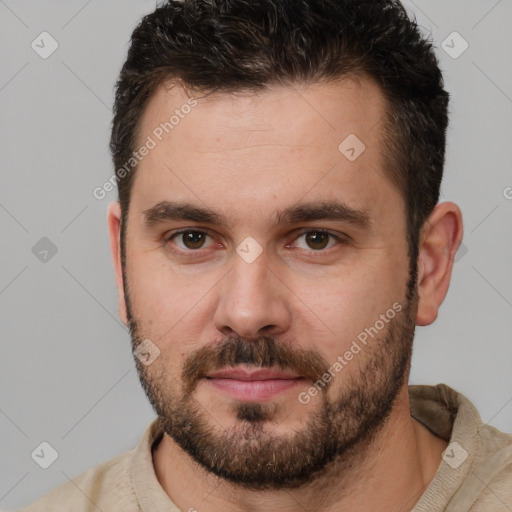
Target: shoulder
{"points": [[491, 472], [114, 485], [475, 474], [99, 488]]}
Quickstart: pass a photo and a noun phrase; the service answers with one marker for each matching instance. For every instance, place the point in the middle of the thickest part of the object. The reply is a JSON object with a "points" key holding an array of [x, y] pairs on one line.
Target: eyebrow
{"points": [[303, 212]]}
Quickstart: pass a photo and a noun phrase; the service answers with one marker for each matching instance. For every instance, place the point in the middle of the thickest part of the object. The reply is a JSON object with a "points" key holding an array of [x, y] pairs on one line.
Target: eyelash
{"points": [[340, 238]]}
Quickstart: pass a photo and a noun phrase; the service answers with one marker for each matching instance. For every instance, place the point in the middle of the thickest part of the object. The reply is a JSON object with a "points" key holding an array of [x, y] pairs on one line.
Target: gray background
{"points": [[67, 375]]}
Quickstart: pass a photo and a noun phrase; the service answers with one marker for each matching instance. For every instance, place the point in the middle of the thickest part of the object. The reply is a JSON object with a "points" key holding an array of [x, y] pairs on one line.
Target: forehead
{"points": [[340, 107], [282, 143]]}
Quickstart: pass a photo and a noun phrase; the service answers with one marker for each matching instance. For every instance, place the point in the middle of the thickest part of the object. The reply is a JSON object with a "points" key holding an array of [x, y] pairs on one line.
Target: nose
{"points": [[253, 300]]}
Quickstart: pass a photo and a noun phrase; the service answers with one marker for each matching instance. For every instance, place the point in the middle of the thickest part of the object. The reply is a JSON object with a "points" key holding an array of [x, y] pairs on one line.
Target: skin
{"points": [[245, 156]]}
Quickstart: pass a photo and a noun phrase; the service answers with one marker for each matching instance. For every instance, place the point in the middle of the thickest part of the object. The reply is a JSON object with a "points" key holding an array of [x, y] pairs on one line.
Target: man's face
{"points": [[272, 278]]}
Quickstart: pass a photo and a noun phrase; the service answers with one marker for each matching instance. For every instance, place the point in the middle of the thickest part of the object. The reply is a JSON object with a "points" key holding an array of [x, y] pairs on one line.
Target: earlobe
{"points": [[440, 238], [114, 228]]}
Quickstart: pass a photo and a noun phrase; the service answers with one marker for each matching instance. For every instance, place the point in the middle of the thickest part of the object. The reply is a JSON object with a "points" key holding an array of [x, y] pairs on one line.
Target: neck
{"points": [[389, 473]]}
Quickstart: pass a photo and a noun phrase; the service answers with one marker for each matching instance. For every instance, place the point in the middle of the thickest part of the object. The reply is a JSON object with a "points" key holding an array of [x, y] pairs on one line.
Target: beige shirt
{"points": [[475, 474]]}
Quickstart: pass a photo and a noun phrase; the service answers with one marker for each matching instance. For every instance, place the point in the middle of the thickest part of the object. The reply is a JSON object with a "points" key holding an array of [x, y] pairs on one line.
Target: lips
{"points": [[262, 374], [253, 385]]}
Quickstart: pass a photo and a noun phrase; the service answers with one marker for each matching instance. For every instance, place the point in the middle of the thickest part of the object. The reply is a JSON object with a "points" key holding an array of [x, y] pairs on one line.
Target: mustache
{"points": [[264, 352]]}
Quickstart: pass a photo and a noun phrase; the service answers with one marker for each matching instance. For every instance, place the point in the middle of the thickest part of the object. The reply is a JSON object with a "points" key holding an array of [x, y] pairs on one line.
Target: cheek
{"points": [[173, 308], [351, 300]]}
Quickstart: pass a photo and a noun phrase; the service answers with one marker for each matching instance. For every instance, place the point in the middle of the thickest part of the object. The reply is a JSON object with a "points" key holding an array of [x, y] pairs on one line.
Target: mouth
{"points": [[253, 385]]}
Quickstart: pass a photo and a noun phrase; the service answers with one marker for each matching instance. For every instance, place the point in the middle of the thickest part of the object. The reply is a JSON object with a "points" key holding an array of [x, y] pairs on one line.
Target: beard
{"points": [[339, 429]]}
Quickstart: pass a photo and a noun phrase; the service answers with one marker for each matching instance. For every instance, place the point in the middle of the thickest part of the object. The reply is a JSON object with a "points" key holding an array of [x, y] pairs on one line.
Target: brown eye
{"points": [[317, 240], [190, 239]]}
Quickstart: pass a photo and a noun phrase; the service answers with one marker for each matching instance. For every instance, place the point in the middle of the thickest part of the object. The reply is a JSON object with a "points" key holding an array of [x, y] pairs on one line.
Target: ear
{"points": [[114, 228], [440, 239]]}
